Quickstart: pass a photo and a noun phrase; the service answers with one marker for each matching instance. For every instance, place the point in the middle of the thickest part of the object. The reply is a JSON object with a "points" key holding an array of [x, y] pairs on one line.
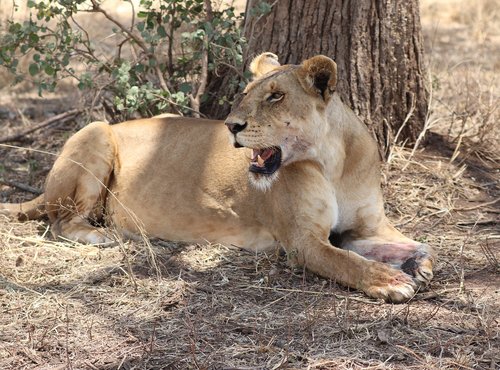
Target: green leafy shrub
{"points": [[174, 46]]}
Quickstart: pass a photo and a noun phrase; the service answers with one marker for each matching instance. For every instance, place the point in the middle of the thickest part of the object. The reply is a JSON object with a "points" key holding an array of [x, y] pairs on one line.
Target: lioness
{"points": [[308, 168]]}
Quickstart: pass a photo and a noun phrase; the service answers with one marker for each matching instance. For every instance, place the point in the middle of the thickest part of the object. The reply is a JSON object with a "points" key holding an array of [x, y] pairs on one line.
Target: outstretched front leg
{"points": [[386, 244], [310, 209], [376, 279]]}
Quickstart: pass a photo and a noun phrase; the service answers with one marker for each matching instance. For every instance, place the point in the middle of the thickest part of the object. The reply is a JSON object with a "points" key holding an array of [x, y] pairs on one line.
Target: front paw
{"points": [[392, 285]]}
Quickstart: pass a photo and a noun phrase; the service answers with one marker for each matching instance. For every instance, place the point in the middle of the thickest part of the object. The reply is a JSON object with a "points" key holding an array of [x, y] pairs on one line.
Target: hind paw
{"points": [[89, 235], [420, 264]]}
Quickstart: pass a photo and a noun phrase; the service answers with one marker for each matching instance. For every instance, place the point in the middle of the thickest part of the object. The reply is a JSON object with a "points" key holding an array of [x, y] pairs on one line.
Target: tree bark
{"points": [[376, 44]]}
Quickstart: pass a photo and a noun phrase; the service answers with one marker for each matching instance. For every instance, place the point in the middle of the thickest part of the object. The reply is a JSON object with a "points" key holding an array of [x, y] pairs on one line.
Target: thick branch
{"points": [[132, 35], [21, 186], [47, 122], [208, 9], [195, 100]]}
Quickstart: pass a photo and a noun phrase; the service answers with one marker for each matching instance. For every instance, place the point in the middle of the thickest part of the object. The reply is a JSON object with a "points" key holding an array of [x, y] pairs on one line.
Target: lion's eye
{"points": [[275, 96]]}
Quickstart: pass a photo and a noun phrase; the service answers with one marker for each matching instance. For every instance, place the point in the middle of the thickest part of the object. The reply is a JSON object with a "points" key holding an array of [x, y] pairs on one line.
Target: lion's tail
{"points": [[31, 210]]}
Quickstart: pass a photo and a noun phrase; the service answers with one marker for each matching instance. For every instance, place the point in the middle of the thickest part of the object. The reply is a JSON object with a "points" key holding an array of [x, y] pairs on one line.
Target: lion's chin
{"points": [[264, 166], [262, 182]]}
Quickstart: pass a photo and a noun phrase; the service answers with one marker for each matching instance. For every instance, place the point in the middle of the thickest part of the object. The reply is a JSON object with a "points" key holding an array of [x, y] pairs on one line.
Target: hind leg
{"points": [[76, 185], [389, 246]]}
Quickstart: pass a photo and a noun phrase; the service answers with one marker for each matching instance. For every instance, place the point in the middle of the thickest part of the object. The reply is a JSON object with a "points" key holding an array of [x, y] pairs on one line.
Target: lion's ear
{"points": [[263, 64], [318, 75]]}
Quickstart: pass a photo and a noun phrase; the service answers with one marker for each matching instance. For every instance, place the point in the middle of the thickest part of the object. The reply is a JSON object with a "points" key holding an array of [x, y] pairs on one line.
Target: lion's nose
{"points": [[236, 127]]}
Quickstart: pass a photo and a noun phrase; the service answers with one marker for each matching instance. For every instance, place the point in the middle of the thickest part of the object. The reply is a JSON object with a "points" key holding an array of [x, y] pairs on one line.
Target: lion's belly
{"points": [[189, 185], [198, 224]]}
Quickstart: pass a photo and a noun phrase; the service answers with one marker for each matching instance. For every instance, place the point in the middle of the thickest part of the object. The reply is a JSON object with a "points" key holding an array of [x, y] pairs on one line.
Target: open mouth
{"points": [[265, 161]]}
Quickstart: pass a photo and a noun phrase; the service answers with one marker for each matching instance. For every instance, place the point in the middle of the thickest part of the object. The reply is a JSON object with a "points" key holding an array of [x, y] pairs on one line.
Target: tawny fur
{"points": [[181, 179]]}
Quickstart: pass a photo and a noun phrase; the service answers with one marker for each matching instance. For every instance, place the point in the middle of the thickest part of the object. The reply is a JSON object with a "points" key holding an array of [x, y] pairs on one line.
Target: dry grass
{"points": [[217, 307], [462, 40], [74, 306]]}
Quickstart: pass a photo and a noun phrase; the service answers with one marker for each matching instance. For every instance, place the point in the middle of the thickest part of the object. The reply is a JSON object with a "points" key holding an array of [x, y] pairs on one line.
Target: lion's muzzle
{"points": [[234, 128]]}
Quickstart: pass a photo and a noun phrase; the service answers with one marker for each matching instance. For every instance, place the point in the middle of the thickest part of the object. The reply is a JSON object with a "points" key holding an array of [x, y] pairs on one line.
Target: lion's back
{"points": [[176, 165]]}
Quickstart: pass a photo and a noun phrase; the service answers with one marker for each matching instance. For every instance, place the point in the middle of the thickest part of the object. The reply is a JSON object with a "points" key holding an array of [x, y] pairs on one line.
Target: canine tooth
{"points": [[260, 161]]}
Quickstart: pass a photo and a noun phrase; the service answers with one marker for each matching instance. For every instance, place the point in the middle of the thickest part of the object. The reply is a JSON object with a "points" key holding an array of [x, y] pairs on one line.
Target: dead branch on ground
{"points": [[48, 122], [21, 186]]}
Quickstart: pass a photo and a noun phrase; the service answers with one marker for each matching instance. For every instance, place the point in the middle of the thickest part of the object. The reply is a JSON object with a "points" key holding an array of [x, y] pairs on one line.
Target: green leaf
{"points": [[49, 70], [34, 38], [185, 87], [162, 32], [33, 69], [65, 60]]}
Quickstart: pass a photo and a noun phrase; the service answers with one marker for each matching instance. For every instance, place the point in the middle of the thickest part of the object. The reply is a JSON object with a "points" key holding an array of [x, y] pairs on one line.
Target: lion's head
{"points": [[281, 115]]}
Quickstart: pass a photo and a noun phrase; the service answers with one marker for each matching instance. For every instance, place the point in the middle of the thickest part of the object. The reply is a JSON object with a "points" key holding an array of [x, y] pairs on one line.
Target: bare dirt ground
{"points": [[161, 305]]}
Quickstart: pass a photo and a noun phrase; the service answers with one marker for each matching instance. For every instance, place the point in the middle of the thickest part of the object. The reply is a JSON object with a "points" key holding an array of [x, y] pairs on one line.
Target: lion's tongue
{"points": [[259, 156]]}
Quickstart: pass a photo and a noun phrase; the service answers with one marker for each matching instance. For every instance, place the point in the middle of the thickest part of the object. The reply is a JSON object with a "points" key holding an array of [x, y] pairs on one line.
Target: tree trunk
{"points": [[376, 44]]}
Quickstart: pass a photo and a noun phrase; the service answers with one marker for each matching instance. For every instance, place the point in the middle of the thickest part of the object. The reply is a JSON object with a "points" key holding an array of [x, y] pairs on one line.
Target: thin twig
{"points": [[171, 41], [339, 296], [68, 360], [139, 40], [462, 259], [236, 70], [490, 256], [427, 124], [403, 125], [43, 124], [465, 209]]}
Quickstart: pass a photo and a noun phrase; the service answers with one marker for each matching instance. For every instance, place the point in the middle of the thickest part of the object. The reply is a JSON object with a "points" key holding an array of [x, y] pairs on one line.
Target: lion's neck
{"points": [[348, 145], [331, 152]]}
